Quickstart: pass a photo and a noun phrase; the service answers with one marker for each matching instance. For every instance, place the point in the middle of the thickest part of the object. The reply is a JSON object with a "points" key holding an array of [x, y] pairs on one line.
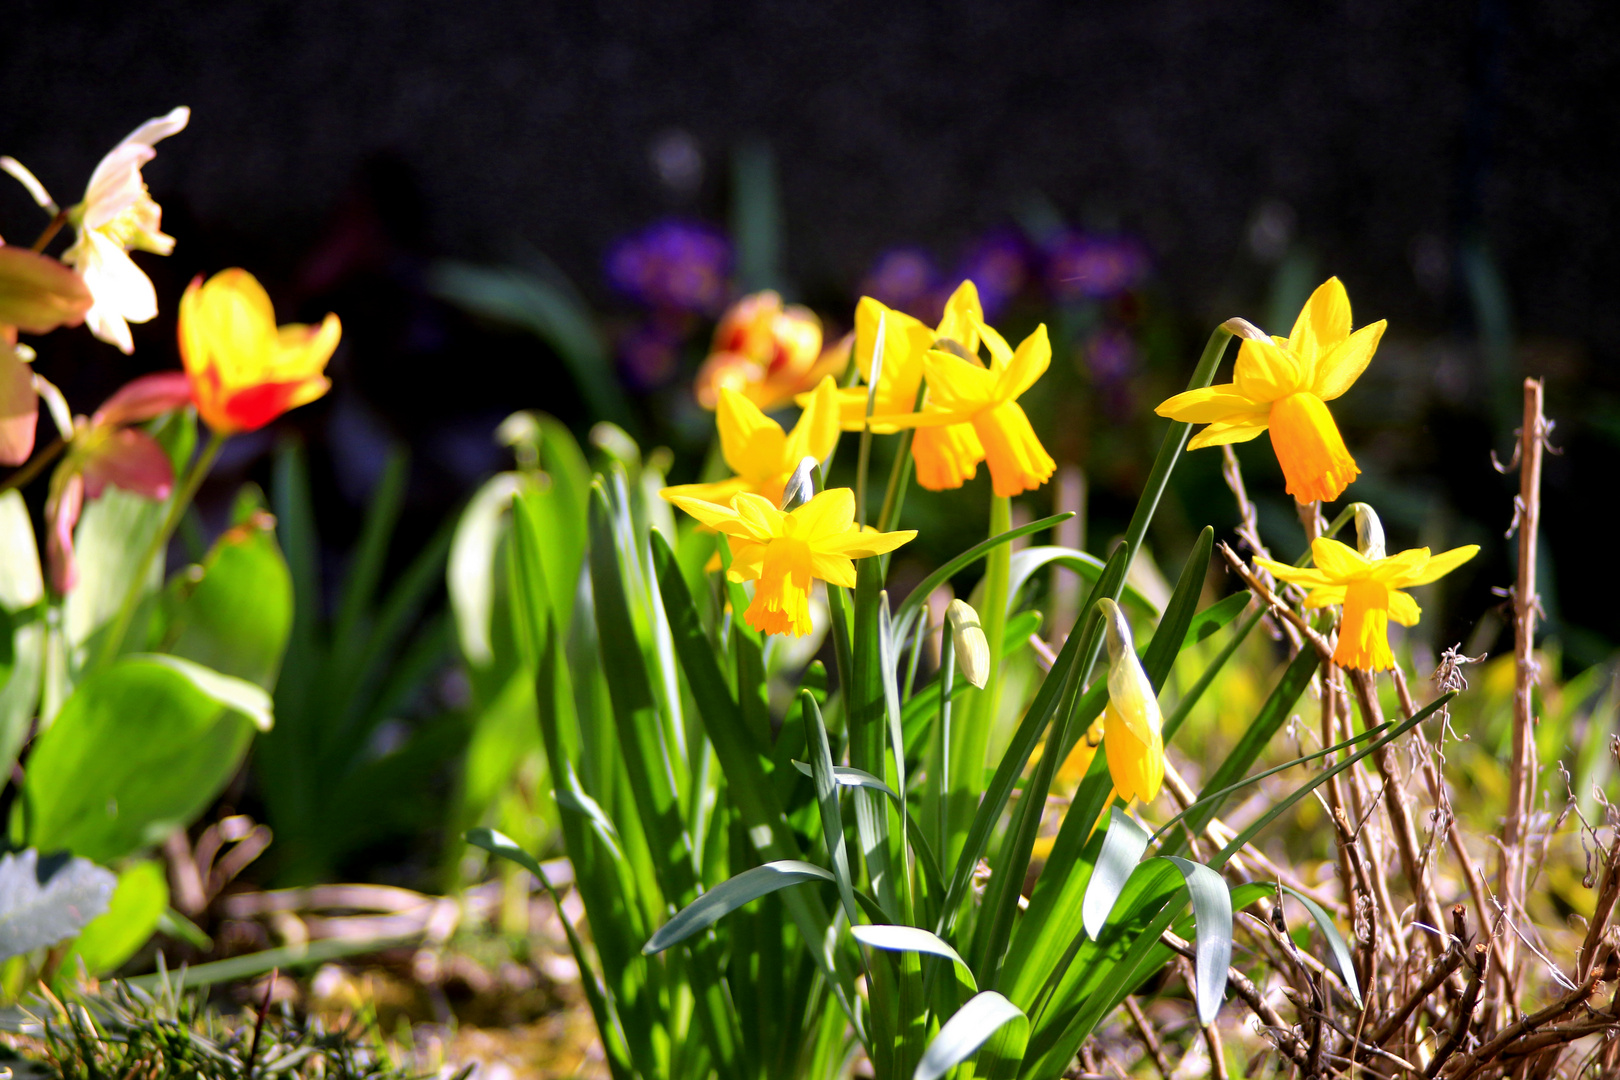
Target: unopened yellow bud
{"points": [[1131, 719], [972, 647]]}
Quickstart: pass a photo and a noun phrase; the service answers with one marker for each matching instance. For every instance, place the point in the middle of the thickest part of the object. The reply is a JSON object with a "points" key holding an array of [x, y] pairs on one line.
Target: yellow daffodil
{"points": [[783, 552], [1131, 719], [118, 216], [1370, 590], [245, 371], [965, 397], [768, 353], [1282, 385], [759, 452]]}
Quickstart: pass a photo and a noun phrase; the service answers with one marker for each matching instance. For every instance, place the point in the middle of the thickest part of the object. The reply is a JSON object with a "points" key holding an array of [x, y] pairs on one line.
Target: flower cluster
{"points": [[241, 370]]}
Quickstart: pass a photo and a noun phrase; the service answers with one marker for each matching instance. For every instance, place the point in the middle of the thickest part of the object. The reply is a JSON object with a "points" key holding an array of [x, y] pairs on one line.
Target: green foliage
{"points": [[138, 750], [697, 815], [326, 791]]}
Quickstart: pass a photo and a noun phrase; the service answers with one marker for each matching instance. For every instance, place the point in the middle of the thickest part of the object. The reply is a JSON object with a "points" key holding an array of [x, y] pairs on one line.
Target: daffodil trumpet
{"points": [[1370, 590], [1282, 385]]}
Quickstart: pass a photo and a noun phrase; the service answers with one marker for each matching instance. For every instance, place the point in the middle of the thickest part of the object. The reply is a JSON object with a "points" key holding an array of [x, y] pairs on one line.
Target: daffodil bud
{"points": [[1131, 719], [1369, 531], [801, 486], [967, 638]]}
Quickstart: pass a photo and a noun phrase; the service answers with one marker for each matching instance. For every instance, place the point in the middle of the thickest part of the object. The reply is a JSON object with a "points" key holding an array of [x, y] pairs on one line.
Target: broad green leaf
{"points": [[139, 749], [137, 905], [1212, 915], [1336, 943], [22, 587], [233, 612], [963, 1034], [1122, 849], [44, 901], [113, 534], [730, 895]]}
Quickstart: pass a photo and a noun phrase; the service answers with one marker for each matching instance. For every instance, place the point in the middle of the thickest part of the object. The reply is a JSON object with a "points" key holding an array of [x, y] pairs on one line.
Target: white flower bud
{"points": [[972, 647]]}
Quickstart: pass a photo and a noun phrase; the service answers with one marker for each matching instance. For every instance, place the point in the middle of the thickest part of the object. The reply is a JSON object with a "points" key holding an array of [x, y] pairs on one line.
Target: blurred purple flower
{"points": [[673, 266], [1112, 359], [907, 280], [999, 264], [1111, 355], [650, 355], [1080, 266]]}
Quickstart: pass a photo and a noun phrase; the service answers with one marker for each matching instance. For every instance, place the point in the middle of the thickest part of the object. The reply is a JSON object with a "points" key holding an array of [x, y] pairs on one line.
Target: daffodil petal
{"points": [[1264, 372], [1228, 431], [1338, 368], [1403, 609], [955, 384], [861, 545], [1323, 322], [751, 442], [1440, 565], [1210, 405], [963, 317], [720, 492], [1299, 575], [833, 569], [1028, 364], [1338, 561], [830, 513], [1325, 595], [758, 514], [816, 433], [723, 518]]}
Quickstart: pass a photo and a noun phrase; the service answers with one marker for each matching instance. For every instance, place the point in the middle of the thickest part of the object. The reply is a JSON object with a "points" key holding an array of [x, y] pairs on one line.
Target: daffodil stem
{"points": [[194, 477], [947, 665], [51, 229], [971, 738], [35, 465]]}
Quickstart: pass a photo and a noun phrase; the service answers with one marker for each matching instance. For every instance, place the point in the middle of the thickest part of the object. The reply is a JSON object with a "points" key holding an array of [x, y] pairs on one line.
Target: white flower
{"points": [[118, 216]]}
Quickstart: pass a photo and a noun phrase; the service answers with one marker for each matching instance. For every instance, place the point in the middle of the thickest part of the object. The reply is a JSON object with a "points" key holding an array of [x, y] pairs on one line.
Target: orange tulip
{"points": [[245, 371]]}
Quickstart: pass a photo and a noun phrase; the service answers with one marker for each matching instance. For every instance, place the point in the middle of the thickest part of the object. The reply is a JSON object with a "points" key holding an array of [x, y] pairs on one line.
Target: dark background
{"points": [[1444, 159]]}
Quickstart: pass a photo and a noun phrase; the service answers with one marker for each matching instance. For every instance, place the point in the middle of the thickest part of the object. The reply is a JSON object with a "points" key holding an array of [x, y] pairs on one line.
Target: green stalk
{"points": [[160, 543], [970, 740]]}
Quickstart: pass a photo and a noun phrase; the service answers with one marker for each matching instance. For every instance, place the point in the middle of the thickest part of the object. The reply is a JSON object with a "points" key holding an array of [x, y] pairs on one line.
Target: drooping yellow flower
{"points": [[244, 370], [1131, 719], [1370, 590], [1283, 384], [768, 353], [759, 452], [118, 216], [783, 552], [965, 396]]}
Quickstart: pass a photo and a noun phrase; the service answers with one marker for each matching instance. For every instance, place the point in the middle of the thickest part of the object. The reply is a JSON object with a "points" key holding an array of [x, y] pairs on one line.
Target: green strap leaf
{"points": [[971, 1027], [844, 776], [914, 600], [915, 939], [602, 1008], [1212, 915], [1122, 849], [730, 895], [825, 775], [1026, 563], [1336, 943]]}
